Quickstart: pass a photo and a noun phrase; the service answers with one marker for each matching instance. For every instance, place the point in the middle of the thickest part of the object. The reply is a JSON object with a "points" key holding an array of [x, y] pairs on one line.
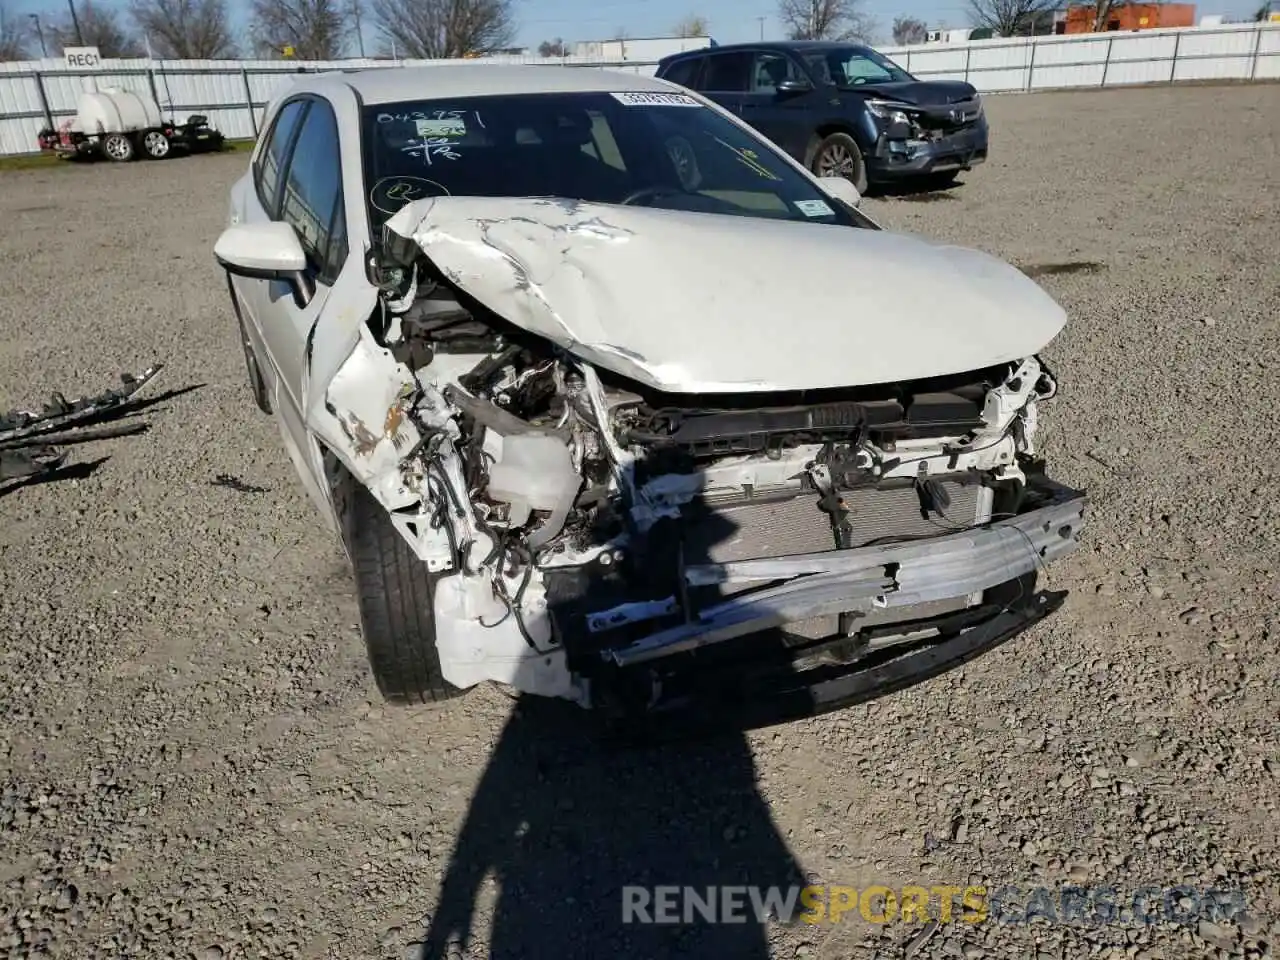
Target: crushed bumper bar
{"points": [[732, 699], [892, 575]]}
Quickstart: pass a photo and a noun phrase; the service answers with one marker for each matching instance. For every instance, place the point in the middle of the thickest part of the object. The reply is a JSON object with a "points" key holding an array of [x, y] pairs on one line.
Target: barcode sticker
{"points": [[654, 98]]}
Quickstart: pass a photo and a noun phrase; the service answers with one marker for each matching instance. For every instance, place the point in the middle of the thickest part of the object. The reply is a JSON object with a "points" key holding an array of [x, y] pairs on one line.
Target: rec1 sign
{"points": [[82, 58]]}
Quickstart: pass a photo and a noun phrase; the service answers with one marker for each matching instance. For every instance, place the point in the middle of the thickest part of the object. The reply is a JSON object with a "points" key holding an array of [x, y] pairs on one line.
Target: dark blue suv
{"points": [[842, 109]]}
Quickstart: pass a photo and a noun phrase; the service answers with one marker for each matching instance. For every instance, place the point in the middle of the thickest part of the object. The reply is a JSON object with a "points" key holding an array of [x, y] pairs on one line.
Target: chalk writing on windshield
{"points": [[435, 133], [391, 193], [432, 148]]}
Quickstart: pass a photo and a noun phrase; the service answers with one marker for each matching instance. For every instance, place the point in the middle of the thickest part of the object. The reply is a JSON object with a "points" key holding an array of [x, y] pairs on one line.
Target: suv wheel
{"points": [[838, 155]]}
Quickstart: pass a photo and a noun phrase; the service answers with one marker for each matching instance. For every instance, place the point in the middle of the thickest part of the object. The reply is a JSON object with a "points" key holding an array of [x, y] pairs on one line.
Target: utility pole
{"points": [[75, 22], [44, 51], [761, 19]]}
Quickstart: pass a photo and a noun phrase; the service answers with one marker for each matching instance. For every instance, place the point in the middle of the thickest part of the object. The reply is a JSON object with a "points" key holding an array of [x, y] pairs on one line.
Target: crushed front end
{"points": [[815, 549], [914, 140], [635, 550]]}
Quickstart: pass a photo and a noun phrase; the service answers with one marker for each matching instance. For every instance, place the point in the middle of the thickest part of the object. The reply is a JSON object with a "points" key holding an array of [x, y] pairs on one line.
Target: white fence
{"points": [[233, 93], [1246, 51]]}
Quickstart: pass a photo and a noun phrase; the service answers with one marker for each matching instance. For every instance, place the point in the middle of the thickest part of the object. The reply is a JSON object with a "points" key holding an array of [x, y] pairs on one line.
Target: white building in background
{"points": [[641, 48], [948, 36]]}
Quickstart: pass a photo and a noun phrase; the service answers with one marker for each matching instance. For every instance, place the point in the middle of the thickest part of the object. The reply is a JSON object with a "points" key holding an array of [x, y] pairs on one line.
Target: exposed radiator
{"points": [[778, 528]]}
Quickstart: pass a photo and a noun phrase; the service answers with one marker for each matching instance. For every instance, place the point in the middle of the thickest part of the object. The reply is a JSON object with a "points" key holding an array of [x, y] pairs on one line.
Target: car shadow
{"points": [[921, 190], [562, 821]]}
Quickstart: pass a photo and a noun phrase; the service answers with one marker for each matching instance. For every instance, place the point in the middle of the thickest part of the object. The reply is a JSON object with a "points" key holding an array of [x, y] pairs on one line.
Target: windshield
{"points": [[649, 149], [855, 66]]}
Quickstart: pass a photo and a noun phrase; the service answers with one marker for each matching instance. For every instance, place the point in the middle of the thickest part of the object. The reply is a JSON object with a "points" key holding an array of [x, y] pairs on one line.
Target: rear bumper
{"points": [[892, 160]]}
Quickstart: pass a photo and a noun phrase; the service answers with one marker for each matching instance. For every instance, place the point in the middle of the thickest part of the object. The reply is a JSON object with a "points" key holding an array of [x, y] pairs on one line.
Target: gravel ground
{"points": [[194, 761]]}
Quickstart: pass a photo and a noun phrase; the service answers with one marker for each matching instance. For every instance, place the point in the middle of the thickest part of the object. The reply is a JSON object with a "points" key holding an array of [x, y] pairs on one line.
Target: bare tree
{"points": [[1010, 18], [185, 29], [553, 48], [824, 19], [357, 24], [13, 36], [909, 30], [692, 26], [99, 27], [439, 29], [314, 29]]}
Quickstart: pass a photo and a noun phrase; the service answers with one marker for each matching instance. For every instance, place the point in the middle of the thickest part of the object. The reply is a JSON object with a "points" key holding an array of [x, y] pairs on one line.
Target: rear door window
{"points": [[726, 73], [772, 69], [685, 72]]}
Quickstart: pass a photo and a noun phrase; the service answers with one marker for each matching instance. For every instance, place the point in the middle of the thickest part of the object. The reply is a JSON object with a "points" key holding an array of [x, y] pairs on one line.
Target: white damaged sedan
{"points": [[611, 400]]}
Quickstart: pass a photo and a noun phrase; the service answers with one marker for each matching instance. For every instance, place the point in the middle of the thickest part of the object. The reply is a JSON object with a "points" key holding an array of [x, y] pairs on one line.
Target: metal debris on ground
{"points": [[30, 439]]}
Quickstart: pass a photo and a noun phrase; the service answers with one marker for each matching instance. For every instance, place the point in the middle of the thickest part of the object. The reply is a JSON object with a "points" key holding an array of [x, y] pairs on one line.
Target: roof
{"points": [[797, 45], [466, 78]]}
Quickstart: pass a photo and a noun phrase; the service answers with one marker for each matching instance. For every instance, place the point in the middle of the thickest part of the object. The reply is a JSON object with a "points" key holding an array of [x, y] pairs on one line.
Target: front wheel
{"points": [[396, 596], [118, 147], [838, 155]]}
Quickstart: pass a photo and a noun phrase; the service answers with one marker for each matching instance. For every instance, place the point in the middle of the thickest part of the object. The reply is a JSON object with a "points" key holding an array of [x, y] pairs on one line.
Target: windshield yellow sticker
{"points": [[654, 98], [440, 127], [813, 208]]}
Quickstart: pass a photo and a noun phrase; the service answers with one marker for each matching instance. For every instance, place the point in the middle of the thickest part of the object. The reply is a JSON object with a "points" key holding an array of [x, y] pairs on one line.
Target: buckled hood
{"points": [[695, 302]]}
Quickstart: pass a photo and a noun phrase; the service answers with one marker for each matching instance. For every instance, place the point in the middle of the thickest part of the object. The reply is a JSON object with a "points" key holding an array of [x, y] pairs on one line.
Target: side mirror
{"points": [[266, 251], [841, 189], [794, 86]]}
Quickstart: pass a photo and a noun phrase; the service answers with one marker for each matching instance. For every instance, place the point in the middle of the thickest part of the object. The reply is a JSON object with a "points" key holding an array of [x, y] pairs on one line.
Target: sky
{"points": [[730, 21], [733, 21]]}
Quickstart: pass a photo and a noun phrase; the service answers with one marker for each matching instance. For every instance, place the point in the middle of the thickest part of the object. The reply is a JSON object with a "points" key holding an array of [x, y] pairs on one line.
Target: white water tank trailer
{"points": [[122, 125], [116, 111]]}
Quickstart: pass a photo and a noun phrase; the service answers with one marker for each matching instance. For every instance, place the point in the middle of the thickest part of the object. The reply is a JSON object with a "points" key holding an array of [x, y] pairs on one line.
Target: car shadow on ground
{"points": [[922, 190], [562, 821]]}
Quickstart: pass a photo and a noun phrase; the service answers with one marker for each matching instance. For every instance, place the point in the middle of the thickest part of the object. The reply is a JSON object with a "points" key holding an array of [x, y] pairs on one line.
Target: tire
{"points": [[155, 145], [838, 155], [118, 147], [396, 595]]}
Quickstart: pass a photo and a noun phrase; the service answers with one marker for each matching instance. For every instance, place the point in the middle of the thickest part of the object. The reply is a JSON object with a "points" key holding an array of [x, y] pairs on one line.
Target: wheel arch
{"points": [[824, 130]]}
